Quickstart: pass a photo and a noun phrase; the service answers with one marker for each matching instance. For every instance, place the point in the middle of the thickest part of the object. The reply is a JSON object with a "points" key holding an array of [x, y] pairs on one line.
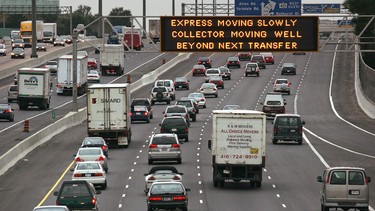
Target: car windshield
{"points": [[4, 107], [176, 110], [174, 122], [89, 152], [40, 44], [94, 72], [88, 166], [166, 188], [74, 190], [159, 89], [17, 50], [2, 47], [164, 140], [18, 41]]}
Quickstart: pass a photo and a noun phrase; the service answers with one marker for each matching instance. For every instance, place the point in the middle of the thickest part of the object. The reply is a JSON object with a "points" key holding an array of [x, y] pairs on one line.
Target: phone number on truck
{"points": [[239, 156]]}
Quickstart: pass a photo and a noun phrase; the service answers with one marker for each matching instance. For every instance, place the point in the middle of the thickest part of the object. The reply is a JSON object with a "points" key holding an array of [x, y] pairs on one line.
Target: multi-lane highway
{"points": [[289, 179]]}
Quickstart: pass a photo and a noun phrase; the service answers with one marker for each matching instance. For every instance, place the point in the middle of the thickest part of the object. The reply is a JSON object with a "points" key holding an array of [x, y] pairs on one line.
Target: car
{"points": [[170, 86], [344, 187], [244, 56], [97, 48], [51, 208], [252, 68], [41, 46], [6, 112], [139, 113], [77, 195], [225, 72], [160, 94], [92, 63], [18, 43], [233, 61], [273, 104], [67, 38], [217, 80], [162, 174], [177, 110], [59, 42], [287, 127], [17, 53], [195, 103], [52, 66], [177, 125], [3, 50], [288, 68], [82, 53], [231, 107], [282, 85], [93, 76], [181, 83], [206, 61], [299, 53], [268, 56], [92, 154], [189, 104], [259, 59], [143, 102], [12, 93], [198, 69], [167, 195], [199, 98], [208, 89], [164, 147], [91, 171], [96, 142], [211, 72]]}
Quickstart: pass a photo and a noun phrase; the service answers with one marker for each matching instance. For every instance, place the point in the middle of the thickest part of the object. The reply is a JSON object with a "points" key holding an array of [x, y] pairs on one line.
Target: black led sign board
{"points": [[239, 33]]}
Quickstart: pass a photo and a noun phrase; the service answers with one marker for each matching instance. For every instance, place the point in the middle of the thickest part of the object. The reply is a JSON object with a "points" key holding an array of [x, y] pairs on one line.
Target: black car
{"points": [[225, 72], [17, 53], [18, 43], [206, 61], [177, 125], [139, 113], [287, 127], [40, 46], [181, 83], [6, 112], [288, 68], [143, 102], [244, 56], [167, 195], [233, 61], [96, 142]]}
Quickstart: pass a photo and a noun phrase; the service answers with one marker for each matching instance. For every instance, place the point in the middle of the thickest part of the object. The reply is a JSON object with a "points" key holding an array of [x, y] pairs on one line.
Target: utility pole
{"points": [[33, 26], [75, 36], [144, 19], [100, 33]]}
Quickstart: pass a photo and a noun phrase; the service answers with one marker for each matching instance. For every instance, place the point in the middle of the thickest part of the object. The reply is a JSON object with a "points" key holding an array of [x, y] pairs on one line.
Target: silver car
{"points": [[164, 147], [209, 89], [12, 93], [92, 172], [282, 85], [199, 98], [92, 154]]}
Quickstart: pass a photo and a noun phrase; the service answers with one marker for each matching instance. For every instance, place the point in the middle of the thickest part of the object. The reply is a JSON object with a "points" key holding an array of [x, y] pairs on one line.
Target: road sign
{"points": [[267, 7], [321, 8], [239, 33]]}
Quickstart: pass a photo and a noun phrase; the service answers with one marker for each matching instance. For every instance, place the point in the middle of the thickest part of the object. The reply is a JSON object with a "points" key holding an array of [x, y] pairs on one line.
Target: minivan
{"points": [[287, 127], [345, 188]]}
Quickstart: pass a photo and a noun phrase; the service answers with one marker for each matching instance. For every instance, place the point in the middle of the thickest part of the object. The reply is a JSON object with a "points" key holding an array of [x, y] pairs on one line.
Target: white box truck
{"points": [[26, 31], [34, 88], [65, 75], [49, 32], [112, 59], [108, 113], [154, 30], [238, 146]]}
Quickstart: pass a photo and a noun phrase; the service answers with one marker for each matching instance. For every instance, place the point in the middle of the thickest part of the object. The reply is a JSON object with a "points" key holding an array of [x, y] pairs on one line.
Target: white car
{"points": [[91, 171], [199, 98], [92, 154], [209, 89], [161, 174], [3, 49], [93, 76], [211, 72]]}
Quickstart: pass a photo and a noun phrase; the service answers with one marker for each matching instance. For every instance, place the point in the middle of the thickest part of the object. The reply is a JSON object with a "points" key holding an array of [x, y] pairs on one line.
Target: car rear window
{"points": [[159, 89], [356, 178], [166, 188], [4, 107], [89, 141], [73, 190], [87, 166], [164, 140], [13, 88], [184, 103], [89, 152], [176, 110], [174, 121], [288, 121], [212, 71], [273, 103], [281, 82], [338, 178], [139, 108]]}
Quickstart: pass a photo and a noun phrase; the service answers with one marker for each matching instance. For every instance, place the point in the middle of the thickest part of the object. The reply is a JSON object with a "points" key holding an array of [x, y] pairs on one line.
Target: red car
{"points": [[268, 56], [244, 56], [198, 69], [92, 63], [217, 80]]}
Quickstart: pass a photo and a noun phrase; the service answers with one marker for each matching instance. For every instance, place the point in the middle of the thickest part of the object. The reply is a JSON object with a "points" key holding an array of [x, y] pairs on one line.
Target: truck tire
{"points": [[194, 118], [150, 161], [324, 208], [274, 141], [216, 183], [186, 139], [222, 183], [179, 161]]}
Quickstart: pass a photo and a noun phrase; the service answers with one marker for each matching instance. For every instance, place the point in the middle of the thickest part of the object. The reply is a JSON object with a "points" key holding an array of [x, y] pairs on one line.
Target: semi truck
{"points": [[108, 113], [49, 32], [34, 88], [238, 146], [65, 75], [112, 59], [154, 30], [26, 30]]}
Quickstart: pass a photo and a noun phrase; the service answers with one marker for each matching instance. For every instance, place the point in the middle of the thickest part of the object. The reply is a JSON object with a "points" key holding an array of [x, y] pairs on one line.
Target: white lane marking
{"points": [[120, 205], [200, 182], [127, 186], [199, 174], [283, 205], [200, 191], [274, 186], [130, 178], [132, 170], [201, 201], [269, 177], [278, 195], [123, 195]]}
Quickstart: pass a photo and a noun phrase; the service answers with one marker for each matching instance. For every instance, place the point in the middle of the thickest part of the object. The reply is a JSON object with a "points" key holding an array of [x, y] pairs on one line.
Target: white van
{"points": [[170, 86]]}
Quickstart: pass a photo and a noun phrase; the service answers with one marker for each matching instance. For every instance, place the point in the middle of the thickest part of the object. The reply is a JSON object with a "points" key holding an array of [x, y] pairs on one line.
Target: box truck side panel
{"points": [[31, 84]]}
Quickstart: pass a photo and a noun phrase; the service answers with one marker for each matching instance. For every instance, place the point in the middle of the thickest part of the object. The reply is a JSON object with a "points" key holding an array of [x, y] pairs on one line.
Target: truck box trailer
{"points": [[112, 59], [34, 88], [65, 75], [154, 30], [49, 32], [26, 32], [108, 113], [238, 146]]}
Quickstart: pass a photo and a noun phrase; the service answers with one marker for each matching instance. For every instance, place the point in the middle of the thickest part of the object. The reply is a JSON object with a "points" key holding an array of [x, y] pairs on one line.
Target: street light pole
{"points": [[74, 38], [33, 30]]}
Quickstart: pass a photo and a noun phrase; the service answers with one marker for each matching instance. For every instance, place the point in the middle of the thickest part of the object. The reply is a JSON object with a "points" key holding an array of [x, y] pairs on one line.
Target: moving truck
{"points": [[238, 146], [131, 41], [65, 75], [112, 59], [49, 32], [154, 30], [26, 30], [108, 112], [34, 88]]}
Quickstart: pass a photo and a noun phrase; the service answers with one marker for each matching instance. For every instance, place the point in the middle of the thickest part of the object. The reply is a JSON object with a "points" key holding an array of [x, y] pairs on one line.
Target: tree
{"points": [[119, 11]]}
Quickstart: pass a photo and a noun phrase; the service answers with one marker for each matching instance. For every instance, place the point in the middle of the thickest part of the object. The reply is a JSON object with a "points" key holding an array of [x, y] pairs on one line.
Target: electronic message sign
{"points": [[239, 33], [267, 7], [321, 8]]}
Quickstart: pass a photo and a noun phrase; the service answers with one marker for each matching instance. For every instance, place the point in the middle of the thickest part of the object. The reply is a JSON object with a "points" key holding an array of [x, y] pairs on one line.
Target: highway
{"points": [[289, 179]]}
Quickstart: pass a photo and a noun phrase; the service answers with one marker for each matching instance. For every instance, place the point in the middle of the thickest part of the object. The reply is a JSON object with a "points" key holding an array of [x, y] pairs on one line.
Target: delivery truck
{"points": [[112, 59], [26, 32], [238, 146], [34, 88], [108, 113], [154, 30], [65, 75], [49, 32]]}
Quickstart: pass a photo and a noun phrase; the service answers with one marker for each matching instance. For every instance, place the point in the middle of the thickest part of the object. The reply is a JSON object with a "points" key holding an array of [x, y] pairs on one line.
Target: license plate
{"points": [[226, 172], [288, 71], [87, 175], [292, 131], [179, 86], [354, 192], [167, 199], [138, 113], [164, 149], [174, 129]]}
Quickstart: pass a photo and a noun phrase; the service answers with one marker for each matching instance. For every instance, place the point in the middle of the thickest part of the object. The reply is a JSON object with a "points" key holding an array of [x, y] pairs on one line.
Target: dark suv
{"points": [[287, 127], [288, 68], [206, 61], [143, 102], [77, 195], [177, 125]]}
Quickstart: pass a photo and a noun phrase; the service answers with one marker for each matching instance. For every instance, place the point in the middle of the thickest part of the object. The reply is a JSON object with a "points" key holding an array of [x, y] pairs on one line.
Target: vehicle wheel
{"points": [[216, 183], [150, 161], [204, 106], [324, 208], [187, 139], [184, 209], [221, 183], [246, 74], [131, 121], [193, 74], [9, 101], [197, 111], [215, 95], [274, 141], [148, 120], [194, 118], [300, 142], [258, 184], [187, 88], [257, 74], [168, 102], [149, 209], [364, 209], [179, 161], [222, 87], [104, 186], [282, 73], [152, 103], [106, 170], [151, 116]]}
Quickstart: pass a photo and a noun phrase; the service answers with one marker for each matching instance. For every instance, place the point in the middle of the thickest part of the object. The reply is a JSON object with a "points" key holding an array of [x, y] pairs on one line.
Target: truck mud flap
{"points": [[123, 141]]}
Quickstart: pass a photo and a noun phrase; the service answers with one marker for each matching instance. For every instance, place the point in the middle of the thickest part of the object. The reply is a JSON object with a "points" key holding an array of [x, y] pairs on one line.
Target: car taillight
{"points": [[176, 178], [202, 99], [166, 94], [59, 85], [186, 83], [194, 110], [104, 147], [275, 130], [179, 198], [175, 146], [208, 62], [153, 146], [187, 116], [155, 198], [186, 130], [146, 113], [57, 202], [130, 113], [78, 159], [327, 180], [165, 115], [201, 89], [161, 130], [367, 180], [199, 62], [151, 178], [215, 88], [98, 174], [228, 62], [300, 130], [175, 83], [78, 175], [7, 111], [100, 158], [93, 201]]}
